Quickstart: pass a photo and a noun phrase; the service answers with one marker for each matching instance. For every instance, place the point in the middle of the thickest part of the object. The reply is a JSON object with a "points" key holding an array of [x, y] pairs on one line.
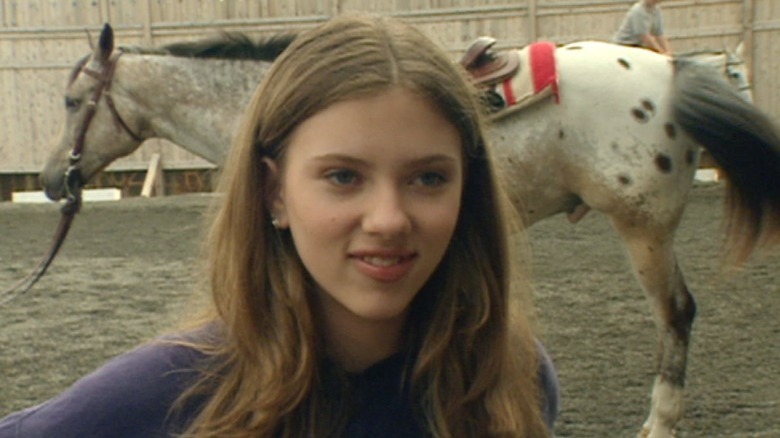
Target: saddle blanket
{"points": [[536, 79]]}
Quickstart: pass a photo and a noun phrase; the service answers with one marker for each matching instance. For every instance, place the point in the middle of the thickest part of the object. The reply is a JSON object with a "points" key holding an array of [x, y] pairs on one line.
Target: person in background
{"points": [[643, 26], [359, 270]]}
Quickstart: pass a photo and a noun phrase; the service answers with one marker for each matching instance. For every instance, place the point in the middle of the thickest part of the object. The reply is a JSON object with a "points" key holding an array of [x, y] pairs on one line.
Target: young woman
{"points": [[359, 270]]}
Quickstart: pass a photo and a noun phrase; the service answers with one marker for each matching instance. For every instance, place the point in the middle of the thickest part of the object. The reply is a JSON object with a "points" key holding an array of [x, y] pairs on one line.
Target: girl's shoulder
{"points": [[133, 394]]}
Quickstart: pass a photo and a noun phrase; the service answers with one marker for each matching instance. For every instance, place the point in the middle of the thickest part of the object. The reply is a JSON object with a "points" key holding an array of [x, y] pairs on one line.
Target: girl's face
{"points": [[370, 189]]}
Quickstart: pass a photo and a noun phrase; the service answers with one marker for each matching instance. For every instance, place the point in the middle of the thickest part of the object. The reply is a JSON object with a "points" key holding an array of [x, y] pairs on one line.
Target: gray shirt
{"points": [[640, 20]]}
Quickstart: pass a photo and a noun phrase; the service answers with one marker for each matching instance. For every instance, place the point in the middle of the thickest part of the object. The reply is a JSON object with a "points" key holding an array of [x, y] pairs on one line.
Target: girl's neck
{"points": [[357, 344]]}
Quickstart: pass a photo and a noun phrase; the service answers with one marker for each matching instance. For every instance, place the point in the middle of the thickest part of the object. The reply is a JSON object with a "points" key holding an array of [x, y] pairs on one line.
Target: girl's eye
{"points": [[431, 179], [343, 177]]}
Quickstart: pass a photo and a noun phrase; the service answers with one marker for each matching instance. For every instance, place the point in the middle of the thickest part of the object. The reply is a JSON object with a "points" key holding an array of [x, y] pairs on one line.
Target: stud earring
{"points": [[275, 222]]}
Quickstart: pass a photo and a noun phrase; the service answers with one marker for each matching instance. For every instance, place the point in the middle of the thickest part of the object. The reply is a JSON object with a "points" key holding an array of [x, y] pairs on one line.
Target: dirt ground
{"points": [[125, 273]]}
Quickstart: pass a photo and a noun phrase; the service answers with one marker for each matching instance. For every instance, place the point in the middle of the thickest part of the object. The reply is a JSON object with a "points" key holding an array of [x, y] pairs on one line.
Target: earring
{"points": [[275, 222]]}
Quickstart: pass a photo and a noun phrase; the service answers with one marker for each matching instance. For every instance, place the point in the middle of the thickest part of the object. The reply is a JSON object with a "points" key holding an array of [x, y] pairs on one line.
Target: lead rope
{"points": [[73, 184], [72, 206], [69, 211]]}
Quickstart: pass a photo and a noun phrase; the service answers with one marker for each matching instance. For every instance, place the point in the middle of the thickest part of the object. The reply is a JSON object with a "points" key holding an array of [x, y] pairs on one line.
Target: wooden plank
{"points": [[154, 185]]}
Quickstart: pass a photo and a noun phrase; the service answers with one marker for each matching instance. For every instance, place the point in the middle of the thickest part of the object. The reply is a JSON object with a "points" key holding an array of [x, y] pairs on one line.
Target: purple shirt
{"points": [[132, 395]]}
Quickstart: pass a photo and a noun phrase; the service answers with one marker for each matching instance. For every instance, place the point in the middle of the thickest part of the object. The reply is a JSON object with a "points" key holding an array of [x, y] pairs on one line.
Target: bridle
{"points": [[73, 180]]}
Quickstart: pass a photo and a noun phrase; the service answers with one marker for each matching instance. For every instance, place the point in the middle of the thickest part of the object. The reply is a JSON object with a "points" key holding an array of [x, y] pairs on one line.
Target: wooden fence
{"points": [[40, 40]]}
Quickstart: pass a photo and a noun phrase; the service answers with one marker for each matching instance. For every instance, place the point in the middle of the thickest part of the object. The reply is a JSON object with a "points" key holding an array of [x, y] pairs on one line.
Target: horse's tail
{"points": [[744, 143]]}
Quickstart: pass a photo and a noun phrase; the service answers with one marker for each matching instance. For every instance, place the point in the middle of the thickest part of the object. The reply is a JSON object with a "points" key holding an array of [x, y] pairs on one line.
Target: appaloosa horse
{"points": [[621, 136]]}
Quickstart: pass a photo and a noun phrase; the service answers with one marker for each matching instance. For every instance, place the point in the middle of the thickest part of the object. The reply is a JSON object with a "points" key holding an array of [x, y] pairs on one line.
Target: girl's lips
{"points": [[385, 268]]}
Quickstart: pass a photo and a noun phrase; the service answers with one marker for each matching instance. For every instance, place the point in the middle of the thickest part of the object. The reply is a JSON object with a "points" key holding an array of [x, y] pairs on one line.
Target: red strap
{"points": [[509, 93], [545, 73]]}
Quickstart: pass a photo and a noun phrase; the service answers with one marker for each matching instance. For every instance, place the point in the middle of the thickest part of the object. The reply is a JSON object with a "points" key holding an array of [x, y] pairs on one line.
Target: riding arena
{"points": [[603, 161]]}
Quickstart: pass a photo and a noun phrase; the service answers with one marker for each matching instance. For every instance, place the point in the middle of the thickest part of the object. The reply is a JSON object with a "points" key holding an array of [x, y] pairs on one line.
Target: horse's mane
{"points": [[225, 45]]}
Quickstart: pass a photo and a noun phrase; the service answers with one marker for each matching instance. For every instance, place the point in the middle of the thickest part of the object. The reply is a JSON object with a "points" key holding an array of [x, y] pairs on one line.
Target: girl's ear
{"points": [[274, 199]]}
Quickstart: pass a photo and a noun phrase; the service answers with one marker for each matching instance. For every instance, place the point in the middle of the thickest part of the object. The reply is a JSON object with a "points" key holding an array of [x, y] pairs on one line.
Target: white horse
{"points": [[623, 140]]}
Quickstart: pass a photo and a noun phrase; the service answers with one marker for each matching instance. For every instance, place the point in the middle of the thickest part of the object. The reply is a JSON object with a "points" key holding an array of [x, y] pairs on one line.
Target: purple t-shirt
{"points": [[132, 395]]}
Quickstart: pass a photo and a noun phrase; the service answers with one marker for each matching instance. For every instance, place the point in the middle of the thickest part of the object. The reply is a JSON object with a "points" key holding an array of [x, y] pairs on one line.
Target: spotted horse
{"points": [[620, 135]]}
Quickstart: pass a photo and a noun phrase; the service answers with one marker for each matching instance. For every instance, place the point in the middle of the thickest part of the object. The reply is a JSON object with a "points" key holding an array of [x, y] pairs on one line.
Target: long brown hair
{"points": [[474, 364]]}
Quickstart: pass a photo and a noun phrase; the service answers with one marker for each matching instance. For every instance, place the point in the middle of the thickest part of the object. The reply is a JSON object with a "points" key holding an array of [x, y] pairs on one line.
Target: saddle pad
{"points": [[536, 79]]}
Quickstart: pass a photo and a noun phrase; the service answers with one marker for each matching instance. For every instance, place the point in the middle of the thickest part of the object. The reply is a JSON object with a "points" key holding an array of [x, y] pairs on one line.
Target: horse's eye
{"points": [[72, 104]]}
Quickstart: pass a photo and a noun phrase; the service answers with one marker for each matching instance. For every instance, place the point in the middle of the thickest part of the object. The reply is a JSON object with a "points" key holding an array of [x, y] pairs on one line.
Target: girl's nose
{"points": [[386, 214]]}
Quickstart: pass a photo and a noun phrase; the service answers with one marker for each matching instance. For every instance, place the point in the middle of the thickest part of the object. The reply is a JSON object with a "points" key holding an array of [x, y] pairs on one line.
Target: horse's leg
{"points": [[655, 265]]}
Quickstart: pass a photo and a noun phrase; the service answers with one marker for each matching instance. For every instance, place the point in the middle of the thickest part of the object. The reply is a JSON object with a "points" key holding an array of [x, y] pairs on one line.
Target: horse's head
{"points": [[730, 64], [94, 133], [737, 72]]}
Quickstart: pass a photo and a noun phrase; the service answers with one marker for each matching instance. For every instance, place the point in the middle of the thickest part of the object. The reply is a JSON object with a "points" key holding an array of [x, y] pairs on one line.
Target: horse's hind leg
{"points": [[655, 265]]}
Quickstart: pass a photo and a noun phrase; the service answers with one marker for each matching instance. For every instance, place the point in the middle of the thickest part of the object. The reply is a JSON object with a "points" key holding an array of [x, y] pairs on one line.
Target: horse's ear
{"points": [[740, 49], [105, 44]]}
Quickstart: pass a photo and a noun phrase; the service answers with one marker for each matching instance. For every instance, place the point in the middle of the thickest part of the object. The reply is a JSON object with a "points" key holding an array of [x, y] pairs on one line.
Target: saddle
{"points": [[512, 79], [488, 68]]}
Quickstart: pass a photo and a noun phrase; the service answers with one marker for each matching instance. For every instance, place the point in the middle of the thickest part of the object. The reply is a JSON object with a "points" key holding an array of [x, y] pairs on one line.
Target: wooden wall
{"points": [[40, 40]]}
